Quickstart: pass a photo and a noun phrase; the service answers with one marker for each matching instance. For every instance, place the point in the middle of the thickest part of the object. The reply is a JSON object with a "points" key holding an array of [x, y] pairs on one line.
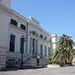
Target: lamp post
{"points": [[21, 60], [38, 60], [22, 45], [27, 37], [22, 50]]}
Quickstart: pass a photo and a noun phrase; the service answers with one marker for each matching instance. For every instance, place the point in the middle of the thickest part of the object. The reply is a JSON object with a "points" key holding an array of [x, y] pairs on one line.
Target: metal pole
{"points": [[21, 60], [22, 51], [27, 38], [26, 46]]}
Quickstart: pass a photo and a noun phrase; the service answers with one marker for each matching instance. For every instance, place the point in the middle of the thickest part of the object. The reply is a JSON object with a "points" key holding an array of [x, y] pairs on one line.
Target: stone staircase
{"points": [[42, 62], [14, 59], [2, 60]]}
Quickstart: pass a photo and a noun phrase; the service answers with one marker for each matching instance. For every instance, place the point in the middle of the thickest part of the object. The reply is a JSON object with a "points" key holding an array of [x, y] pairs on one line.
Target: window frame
{"points": [[12, 43], [14, 22], [23, 27]]}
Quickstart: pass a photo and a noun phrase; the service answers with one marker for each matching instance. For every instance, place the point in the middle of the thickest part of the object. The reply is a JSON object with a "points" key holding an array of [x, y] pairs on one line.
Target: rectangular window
{"points": [[41, 36], [13, 22], [22, 45], [33, 46], [30, 45], [45, 38], [41, 49], [36, 47], [12, 43], [49, 51], [23, 27], [45, 51]]}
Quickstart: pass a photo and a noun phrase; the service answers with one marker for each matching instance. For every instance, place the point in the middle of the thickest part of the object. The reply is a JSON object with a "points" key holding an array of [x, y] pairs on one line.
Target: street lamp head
{"points": [[38, 57]]}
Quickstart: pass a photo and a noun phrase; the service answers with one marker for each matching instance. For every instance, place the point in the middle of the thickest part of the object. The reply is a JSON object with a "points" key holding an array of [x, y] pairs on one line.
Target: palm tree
{"points": [[64, 50]]}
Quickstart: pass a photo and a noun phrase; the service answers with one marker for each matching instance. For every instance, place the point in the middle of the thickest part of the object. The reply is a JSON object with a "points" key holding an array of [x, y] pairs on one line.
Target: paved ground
{"points": [[42, 71]]}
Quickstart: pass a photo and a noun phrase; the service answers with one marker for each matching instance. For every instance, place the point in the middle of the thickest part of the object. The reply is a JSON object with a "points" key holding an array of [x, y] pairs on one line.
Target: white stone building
{"points": [[22, 39], [53, 42]]}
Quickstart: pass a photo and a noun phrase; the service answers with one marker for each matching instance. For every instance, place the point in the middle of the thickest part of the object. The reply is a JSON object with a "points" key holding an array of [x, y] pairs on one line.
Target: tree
{"points": [[64, 50]]}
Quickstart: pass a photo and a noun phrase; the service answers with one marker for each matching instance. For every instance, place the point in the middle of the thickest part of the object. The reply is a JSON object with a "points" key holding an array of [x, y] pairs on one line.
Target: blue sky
{"points": [[55, 16]]}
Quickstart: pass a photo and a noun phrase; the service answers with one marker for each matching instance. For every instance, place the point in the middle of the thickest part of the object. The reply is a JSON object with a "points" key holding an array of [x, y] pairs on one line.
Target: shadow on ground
{"points": [[24, 68]]}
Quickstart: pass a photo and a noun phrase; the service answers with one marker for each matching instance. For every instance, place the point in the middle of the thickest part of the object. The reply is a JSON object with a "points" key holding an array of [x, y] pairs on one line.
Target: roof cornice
{"points": [[13, 12]]}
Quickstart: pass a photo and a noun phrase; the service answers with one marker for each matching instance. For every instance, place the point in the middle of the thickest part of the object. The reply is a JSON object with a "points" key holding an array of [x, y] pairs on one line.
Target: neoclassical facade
{"points": [[22, 40]]}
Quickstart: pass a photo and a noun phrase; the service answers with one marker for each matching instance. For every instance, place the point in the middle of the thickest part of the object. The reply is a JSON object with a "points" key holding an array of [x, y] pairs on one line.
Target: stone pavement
{"points": [[42, 71]]}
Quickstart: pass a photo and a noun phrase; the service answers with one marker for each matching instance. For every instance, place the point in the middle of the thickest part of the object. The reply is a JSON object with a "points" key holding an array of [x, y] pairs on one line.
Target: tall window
{"points": [[49, 51], [30, 44], [12, 43], [13, 22], [36, 47], [22, 45], [45, 51], [33, 46], [41, 49]]}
